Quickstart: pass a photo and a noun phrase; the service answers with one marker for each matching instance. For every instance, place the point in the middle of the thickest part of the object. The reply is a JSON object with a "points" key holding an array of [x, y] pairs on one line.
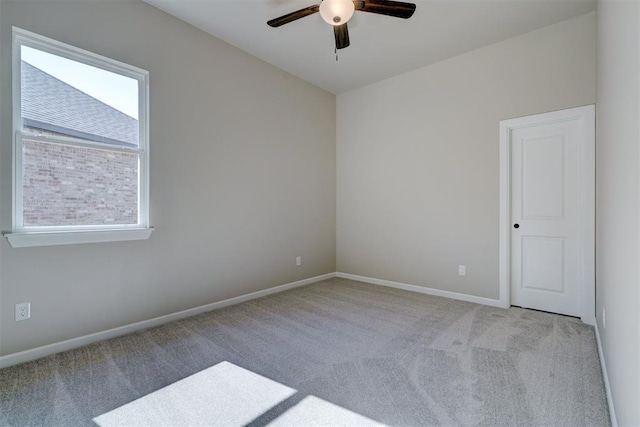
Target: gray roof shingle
{"points": [[51, 104]]}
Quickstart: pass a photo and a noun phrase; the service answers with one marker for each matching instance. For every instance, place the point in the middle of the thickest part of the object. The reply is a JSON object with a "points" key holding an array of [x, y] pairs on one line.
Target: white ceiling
{"points": [[381, 46]]}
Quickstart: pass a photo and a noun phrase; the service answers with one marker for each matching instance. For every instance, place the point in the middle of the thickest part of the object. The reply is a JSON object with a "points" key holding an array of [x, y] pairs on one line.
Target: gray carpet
{"points": [[394, 357]]}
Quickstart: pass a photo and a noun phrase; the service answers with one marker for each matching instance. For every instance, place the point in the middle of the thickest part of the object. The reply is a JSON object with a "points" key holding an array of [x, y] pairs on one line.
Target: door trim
{"points": [[587, 202]]}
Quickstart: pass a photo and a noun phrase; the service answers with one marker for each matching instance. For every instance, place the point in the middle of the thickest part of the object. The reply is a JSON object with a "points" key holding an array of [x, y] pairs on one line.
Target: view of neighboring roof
{"points": [[52, 105]]}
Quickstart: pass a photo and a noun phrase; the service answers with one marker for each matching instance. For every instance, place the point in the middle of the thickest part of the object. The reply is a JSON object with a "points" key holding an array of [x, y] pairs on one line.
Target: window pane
{"points": [[65, 97], [65, 185]]}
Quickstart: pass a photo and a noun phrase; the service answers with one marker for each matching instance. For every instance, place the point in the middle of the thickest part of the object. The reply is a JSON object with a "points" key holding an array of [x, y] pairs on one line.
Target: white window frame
{"points": [[25, 236]]}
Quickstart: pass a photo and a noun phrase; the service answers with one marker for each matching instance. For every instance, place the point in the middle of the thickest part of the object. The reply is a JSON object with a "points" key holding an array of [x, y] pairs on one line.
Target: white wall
{"points": [[617, 202], [418, 163], [242, 179]]}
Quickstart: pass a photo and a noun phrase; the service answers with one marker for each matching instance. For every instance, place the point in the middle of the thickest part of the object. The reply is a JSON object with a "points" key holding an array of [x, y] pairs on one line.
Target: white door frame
{"points": [[587, 202]]}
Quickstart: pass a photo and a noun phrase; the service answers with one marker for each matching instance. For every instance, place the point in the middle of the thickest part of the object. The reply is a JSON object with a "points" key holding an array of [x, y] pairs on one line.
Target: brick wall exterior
{"points": [[64, 185]]}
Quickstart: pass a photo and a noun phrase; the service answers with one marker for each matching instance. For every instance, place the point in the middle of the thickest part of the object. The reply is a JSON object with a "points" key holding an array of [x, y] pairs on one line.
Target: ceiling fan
{"points": [[338, 12]]}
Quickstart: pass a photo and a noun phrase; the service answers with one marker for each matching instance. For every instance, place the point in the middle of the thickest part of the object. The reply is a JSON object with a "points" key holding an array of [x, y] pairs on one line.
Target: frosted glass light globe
{"points": [[336, 12]]}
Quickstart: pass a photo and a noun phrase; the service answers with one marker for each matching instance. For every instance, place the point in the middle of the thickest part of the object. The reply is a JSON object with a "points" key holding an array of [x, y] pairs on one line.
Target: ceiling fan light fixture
{"points": [[336, 12]]}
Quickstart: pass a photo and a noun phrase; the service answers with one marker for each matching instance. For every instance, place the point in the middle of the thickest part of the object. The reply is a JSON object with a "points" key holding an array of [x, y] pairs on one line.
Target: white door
{"points": [[551, 205]]}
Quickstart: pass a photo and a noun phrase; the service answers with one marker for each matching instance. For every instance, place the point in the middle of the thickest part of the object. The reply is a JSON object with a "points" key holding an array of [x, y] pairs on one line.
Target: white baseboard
{"points": [[38, 352], [423, 290], [605, 376]]}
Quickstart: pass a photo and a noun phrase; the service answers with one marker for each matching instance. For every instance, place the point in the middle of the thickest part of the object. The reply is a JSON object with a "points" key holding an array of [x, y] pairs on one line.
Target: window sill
{"points": [[52, 238]]}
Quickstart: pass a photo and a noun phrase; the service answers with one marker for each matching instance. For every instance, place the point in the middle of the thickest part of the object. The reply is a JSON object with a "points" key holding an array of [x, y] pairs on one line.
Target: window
{"points": [[81, 150]]}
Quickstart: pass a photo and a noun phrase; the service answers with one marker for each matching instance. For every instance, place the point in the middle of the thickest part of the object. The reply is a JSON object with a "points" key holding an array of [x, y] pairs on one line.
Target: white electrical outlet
{"points": [[298, 261], [23, 311], [604, 319], [462, 270]]}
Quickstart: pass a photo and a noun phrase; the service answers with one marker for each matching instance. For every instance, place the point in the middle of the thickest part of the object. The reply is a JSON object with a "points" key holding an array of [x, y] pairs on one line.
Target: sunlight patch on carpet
{"points": [[313, 411], [224, 394]]}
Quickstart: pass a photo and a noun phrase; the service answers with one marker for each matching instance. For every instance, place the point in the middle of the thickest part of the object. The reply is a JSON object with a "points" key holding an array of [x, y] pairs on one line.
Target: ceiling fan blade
{"points": [[341, 32], [289, 17], [386, 7]]}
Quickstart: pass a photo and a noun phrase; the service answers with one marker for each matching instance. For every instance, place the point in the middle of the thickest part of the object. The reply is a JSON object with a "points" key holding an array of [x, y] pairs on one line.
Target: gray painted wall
{"points": [[242, 179], [418, 163], [617, 202]]}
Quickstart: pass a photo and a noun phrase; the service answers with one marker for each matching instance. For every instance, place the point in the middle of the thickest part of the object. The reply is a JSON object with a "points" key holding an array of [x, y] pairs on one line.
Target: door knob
{"points": [[516, 225]]}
